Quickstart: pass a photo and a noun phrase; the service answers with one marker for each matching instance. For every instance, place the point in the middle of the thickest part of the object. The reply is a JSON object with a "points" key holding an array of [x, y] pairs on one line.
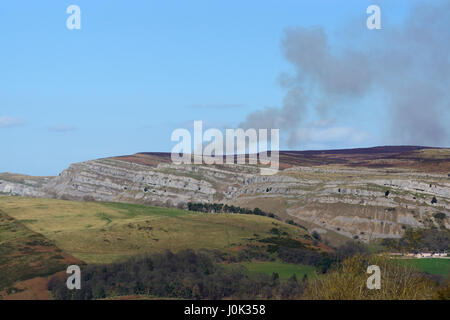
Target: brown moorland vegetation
{"points": [[417, 158]]}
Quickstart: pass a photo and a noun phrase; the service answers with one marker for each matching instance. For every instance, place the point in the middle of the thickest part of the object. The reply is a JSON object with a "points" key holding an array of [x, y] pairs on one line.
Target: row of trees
{"points": [[323, 261], [186, 275]]}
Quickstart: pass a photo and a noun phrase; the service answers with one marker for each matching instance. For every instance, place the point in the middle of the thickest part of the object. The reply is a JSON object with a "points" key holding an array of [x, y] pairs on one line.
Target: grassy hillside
{"points": [[25, 254], [105, 232]]}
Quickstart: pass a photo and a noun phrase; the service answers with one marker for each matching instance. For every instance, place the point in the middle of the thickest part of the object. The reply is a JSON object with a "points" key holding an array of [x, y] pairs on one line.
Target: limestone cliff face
{"points": [[114, 180], [21, 185], [363, 203]]}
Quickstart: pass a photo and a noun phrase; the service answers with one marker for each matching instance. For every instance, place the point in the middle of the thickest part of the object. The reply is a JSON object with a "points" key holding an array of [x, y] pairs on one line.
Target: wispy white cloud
{"points": [[62, 128], [8, 122]]}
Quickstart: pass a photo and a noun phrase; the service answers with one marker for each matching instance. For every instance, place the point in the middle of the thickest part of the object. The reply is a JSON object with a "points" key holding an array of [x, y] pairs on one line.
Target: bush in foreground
{"points": [[348, 282]]}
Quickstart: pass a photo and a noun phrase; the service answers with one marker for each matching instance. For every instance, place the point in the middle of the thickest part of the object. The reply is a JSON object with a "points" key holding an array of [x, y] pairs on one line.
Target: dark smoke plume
{"points": [[408, 65]]}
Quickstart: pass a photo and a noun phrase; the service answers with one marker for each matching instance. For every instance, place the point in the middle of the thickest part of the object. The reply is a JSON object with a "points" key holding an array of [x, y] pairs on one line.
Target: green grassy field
{"points": [[97, 232], [431, 266], [284, 270]]}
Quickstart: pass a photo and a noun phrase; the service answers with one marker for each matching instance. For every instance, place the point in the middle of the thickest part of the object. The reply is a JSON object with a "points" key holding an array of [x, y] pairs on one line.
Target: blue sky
{"points": [[137, 70]]}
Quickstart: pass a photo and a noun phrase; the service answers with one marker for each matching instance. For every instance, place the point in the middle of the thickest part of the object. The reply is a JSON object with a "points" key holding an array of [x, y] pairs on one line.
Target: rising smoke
{"points": [[408, 65]]}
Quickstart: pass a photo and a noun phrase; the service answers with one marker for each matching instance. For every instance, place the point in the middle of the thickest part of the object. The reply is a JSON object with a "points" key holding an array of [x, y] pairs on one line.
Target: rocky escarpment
{"points": [[114, 180], [21, 185], [359, 203]]}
